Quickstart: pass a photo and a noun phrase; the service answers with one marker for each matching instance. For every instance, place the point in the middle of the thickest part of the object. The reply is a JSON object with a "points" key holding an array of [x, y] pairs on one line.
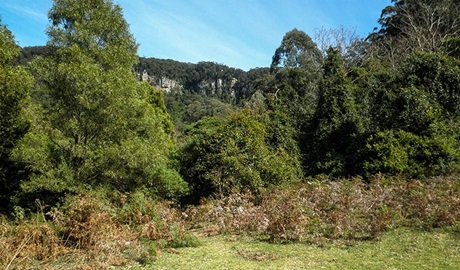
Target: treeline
{"points": [[192, 91], [231, 85], [345, 107], [210, 79], [77, 119]]}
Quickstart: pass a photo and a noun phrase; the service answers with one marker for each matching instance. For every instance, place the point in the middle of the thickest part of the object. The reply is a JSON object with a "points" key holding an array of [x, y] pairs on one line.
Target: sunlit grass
{"points": [[345, 225], [398, 249]]}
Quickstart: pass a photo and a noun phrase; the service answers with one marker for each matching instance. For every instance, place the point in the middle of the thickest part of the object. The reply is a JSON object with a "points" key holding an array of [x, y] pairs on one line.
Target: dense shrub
{"points": [[344, 210], [15, 86], [93, 232], [402, 152], [232, 154]]}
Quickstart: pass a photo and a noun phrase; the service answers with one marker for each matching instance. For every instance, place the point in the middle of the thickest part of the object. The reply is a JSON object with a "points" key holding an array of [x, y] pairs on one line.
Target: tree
{"points": [[297, 50], [296, 69], [94, 124], [417, 119], [15, 84], [333, 136], [97, 27], [295, 92], [431, 26], [339, 38], [352, 48], [232, 154]]}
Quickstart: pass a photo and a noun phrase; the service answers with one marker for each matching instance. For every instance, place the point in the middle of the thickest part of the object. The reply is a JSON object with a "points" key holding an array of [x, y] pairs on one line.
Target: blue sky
{"points": [[237, 33]]}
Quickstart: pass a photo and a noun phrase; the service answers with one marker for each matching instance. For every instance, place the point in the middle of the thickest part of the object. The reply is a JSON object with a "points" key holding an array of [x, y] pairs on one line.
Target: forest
{"points": [[342, 138]]}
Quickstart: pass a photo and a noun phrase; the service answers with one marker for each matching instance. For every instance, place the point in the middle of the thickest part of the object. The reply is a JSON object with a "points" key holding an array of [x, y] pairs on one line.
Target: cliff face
{"points": [[161, 82], [211, 87], [204, 78], [217, 87], [211, 79]]}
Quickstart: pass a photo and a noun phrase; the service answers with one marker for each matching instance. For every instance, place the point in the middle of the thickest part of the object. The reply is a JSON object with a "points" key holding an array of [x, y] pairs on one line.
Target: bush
{"points": [[344, 210], [401, 152], [231, 155], [93, 232]]}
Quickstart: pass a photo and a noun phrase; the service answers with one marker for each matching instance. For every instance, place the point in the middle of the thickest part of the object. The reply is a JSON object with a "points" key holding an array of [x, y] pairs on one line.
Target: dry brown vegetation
{"points": [[346, 210], [90, 232]]}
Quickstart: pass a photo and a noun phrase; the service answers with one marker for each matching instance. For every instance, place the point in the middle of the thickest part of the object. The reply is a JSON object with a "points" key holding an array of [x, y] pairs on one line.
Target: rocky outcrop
{"points": [[217, 87], [211, 79], [164, 83]]}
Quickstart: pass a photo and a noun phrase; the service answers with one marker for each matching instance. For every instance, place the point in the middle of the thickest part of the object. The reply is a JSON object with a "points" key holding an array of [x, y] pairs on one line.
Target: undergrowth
{"points": [[93, 231], [344, 210]]}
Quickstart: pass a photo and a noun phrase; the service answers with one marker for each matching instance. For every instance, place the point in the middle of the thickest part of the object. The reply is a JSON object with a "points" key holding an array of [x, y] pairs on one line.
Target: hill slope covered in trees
{"points": [[95, 147]]}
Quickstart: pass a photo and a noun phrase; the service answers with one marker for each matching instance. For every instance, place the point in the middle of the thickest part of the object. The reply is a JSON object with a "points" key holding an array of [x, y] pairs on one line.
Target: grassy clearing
{"points": [[399, 249], [386, 224]]}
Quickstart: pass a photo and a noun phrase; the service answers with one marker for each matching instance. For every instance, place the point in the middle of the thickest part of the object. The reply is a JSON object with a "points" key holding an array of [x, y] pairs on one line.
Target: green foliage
{"points": [[295, 92], [401, 152], [336, 105], [30, 53], [396, 152], [93, 122], [123, 140], [280, 131], [452, 46], [297, 50], [97, 27], [415, 118], [232, 154], [188, 108], [439, 76], [15, 85], [413, 110], [384, 121], [292, 93], [334, 134], [9, 50]]}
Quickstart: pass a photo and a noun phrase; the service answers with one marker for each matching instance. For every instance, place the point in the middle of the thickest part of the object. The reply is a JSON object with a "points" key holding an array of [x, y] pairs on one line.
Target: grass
{"points": [[386, 224], [399, 249]]}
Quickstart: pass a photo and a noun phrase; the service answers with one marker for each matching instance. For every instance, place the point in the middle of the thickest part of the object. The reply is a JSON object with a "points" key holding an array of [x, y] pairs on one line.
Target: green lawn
{"points": [[399, 249]]}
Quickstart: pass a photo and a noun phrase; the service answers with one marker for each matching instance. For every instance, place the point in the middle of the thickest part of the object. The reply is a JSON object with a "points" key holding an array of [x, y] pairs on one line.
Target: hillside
{"points": [[110, 160], [231, 85]]}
